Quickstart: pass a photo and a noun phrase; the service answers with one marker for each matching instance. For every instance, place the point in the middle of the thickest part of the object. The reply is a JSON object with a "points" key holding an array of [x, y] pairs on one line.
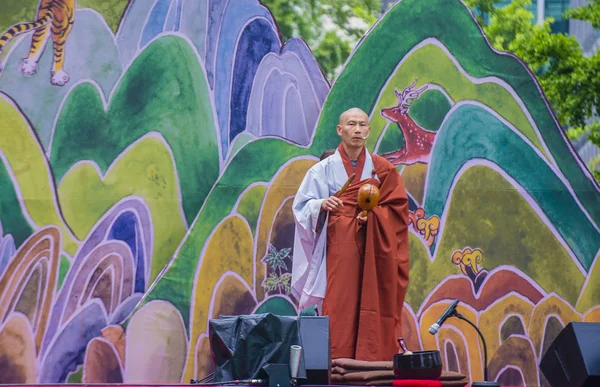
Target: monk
{"points": [[353, 268]]}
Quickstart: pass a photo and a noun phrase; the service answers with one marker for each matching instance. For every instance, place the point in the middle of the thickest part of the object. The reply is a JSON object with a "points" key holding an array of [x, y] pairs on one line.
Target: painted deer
{"points": [[417, 141]]}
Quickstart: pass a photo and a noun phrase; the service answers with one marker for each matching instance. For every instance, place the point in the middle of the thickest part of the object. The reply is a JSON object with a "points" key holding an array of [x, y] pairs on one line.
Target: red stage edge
{"points": [[168, 385]]}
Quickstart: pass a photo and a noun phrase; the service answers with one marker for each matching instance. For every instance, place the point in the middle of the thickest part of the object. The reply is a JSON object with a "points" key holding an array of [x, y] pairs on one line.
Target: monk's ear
{"points": [[339, 129]]}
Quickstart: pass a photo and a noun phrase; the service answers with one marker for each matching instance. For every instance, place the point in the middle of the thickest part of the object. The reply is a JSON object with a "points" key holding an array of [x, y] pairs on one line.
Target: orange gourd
{"points": [[368, 197]]}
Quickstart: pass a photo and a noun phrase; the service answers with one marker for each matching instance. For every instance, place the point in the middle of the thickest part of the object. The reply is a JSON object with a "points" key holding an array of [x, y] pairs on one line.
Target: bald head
{"points": [[352, 112], [354, 129]]}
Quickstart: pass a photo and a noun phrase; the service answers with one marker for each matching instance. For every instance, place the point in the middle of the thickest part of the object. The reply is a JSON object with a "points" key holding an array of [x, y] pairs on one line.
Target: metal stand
{"points": [[485, 360]]}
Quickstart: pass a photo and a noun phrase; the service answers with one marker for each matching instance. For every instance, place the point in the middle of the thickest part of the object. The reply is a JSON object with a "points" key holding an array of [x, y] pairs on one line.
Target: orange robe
{"points": [[367, 267]]}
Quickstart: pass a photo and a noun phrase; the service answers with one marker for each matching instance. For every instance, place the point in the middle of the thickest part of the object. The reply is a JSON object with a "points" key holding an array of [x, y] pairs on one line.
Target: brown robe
{"points": [[367, 267]]}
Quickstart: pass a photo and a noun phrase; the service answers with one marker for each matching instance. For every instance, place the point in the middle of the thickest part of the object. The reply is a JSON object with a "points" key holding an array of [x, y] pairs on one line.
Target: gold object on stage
{"points": [[368, 198]]}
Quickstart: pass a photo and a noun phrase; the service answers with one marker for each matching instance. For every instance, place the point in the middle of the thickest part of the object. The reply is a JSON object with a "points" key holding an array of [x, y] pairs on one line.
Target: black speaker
{"points": [[314, 332], [242, 346], [573, 358]]}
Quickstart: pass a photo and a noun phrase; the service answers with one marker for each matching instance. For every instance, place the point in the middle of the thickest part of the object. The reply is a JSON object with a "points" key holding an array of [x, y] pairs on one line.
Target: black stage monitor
{"points": [[573, 358]]}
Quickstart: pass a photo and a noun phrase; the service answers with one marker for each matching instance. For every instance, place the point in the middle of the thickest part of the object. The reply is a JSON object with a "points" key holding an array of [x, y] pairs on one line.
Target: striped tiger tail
{"points": [[21, 28]]}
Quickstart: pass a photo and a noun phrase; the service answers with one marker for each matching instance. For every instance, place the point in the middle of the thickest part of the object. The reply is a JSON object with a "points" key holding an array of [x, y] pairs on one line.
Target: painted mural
{"points": [[149, 159]]}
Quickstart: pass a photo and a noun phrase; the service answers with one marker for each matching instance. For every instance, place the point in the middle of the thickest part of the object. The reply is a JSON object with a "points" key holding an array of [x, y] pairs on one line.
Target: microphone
{"points": [[451, 312], [448, 313], [295, 355]]}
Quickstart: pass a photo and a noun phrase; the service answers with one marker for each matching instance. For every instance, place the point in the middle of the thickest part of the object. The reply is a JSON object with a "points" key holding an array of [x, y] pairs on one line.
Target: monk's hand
{"points": [[331, 203], [361, 219]]}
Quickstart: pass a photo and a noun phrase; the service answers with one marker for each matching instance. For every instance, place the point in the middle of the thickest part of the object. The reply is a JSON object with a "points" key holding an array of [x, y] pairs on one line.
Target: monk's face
{"points": [[354, 128]]}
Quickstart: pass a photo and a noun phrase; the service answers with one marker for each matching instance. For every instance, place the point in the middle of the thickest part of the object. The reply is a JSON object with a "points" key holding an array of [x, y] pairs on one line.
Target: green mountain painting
{"points": [[153, 191]]}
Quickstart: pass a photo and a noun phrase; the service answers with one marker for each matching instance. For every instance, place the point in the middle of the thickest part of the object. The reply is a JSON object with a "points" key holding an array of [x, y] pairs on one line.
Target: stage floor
{"points": [[172, 385]]}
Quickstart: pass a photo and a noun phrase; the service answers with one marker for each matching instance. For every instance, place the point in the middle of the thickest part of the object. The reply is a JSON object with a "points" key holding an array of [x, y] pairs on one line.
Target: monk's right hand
{"points": [[331, 203]]}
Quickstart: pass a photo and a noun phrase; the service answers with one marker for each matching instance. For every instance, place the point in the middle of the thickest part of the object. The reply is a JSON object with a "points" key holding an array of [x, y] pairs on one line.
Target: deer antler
{"points": [[408, 94]]}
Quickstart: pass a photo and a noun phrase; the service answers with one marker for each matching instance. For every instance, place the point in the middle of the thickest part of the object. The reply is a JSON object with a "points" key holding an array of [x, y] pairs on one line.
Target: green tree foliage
{"points": [[331, 28], [570, 79], [589, 13]]}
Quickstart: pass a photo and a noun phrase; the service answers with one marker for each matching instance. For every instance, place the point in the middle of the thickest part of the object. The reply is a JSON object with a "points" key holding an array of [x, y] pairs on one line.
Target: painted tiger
{"points": [[55, 18]]}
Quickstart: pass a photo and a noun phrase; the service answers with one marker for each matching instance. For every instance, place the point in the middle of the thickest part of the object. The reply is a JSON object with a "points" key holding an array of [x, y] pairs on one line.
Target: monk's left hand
{"points": [[361, 219]]}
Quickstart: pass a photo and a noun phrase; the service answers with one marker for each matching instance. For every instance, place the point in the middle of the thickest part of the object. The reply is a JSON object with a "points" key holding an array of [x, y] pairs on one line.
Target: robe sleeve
{"points": [[308, 263]]}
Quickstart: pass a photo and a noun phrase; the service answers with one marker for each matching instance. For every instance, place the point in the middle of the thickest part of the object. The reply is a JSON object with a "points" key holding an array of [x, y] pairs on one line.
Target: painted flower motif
{"points": [[426, 227], [468, 260], [279, 279], [414, 216]]}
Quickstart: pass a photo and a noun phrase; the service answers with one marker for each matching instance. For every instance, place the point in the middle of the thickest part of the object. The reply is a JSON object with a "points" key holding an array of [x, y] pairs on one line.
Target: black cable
{"points": [[208, 377]]}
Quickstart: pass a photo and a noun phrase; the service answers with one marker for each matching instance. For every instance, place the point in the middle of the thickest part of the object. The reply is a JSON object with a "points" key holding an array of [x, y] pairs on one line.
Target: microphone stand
{"points": [[485, 383]]}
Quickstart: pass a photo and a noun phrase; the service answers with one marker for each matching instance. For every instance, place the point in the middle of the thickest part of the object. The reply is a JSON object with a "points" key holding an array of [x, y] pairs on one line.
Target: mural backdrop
{"points": [[148, 166]]}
